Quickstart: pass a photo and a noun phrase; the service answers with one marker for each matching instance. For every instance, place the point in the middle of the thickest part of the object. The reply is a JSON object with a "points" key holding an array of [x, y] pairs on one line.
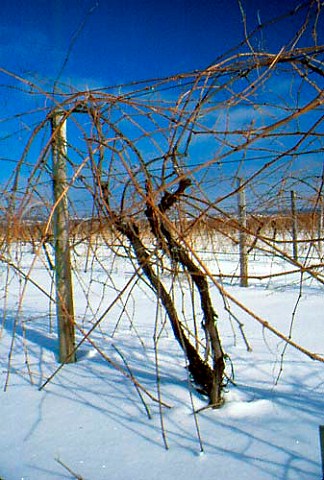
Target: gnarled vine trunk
{"points": [[208, 378]]}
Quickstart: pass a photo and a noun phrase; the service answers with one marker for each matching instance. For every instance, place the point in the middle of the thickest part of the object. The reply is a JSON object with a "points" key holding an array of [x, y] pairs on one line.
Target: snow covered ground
{"points": [[91, 419]]}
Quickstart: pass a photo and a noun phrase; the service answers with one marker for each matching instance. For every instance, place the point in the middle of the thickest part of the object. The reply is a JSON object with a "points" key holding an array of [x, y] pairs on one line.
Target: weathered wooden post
{"points": [[320, 227], [63, 276], [242, 236], [294, 225]]}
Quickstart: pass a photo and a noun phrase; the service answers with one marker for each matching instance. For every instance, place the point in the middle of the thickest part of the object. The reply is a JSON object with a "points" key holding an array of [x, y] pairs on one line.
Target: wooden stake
{"points": [[242, 236], [63, 276], [320, 226], [294, 225]]}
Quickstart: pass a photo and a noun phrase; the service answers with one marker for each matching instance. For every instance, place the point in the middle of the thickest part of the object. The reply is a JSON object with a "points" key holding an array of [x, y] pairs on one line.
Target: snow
{"points": [[91, 418]]}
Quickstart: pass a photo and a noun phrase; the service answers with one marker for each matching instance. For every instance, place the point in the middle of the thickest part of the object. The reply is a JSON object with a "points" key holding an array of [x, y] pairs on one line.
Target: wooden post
{"points": [[321, 433], [294, 225], [242, 236], [63, 276], [320, 226]]}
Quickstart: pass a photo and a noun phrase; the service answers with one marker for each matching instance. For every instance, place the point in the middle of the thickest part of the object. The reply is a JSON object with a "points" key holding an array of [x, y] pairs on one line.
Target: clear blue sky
{"points": [[116, 41], [98, 43]]}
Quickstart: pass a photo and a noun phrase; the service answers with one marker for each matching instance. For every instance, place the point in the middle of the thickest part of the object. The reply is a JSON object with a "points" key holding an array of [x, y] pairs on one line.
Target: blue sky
{"points": [[86, 44], [116, 41]]}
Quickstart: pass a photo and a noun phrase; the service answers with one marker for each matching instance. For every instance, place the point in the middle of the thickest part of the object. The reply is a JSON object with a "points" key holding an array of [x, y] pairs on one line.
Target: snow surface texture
{"points": [[91, 418]]}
